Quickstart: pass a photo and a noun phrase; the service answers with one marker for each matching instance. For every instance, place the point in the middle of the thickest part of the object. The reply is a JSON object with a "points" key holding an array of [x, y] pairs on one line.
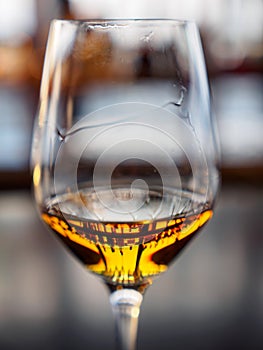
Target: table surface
{"points": [[210, 298]]}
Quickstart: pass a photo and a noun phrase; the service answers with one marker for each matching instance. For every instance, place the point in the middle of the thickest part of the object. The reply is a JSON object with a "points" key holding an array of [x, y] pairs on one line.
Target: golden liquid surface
{"points": [[126, 253]]}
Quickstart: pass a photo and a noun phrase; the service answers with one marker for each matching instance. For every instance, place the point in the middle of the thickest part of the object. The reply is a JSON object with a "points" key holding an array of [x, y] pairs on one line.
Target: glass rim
{"points": [[124, 21]]}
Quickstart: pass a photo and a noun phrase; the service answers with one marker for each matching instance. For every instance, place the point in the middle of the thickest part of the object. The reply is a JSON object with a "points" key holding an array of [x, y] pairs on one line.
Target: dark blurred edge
{"points": [[17, 180], [10, 180], [243, 175]]}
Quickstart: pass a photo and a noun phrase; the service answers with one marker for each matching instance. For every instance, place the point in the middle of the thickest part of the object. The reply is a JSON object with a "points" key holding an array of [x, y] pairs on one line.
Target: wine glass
{"points": [[125, 158]]}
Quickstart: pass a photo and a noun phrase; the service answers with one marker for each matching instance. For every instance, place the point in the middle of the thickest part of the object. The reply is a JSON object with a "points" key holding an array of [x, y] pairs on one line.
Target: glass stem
{"points": [[126, 308]]}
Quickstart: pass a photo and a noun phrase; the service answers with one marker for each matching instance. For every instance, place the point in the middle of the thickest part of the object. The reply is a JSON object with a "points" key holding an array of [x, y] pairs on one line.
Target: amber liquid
{"points": [[125, 253]]}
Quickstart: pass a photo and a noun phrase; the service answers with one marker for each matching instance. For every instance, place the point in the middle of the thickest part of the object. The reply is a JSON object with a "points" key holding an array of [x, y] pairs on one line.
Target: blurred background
{"points": [[212, 297]]}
